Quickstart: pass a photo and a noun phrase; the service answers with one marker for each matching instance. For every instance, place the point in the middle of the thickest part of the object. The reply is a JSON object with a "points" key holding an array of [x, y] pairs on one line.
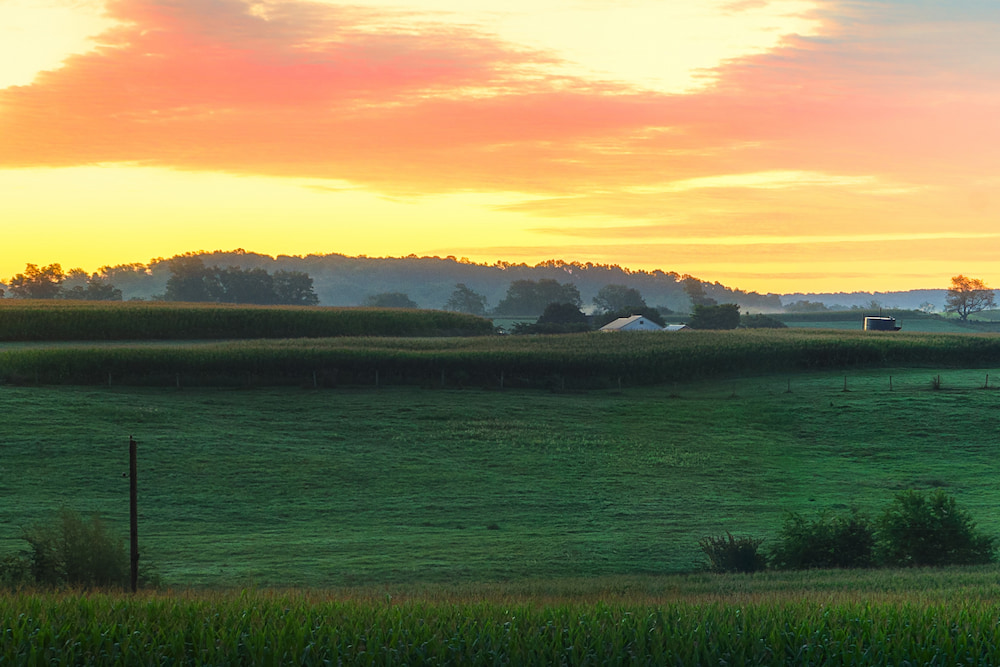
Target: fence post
{"points": [[133, 497]]}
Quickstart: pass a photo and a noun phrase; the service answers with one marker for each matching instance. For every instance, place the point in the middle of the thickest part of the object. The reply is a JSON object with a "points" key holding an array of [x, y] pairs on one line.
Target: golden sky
{"points": [[777, 146]]}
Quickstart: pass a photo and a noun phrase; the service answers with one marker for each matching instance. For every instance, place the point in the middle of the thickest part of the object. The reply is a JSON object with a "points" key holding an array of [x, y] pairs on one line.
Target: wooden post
{"points": [[845, 383], [133, 496], [890, 383], [315, 383]]}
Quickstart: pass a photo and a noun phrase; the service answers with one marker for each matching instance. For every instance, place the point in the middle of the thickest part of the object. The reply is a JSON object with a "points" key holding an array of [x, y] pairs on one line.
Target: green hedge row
{"points": [[82, 321]]}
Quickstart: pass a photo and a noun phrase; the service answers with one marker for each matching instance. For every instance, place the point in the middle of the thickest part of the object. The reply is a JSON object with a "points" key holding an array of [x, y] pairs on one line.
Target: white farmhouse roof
{"points": [[633, 323]]}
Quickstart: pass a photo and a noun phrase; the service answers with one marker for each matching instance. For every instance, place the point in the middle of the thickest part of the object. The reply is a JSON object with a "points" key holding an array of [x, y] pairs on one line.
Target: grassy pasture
{"points": [[293, 487], [54, 320]]}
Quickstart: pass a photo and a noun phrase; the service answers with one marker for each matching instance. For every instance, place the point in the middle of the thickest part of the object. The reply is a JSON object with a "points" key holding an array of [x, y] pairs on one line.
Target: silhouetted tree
{"points": [[465, 300], [294, 288], [390, 300], [967, 296], [562, 313], [695, 291], [37, 283], [527, 297], [254, 286], [619, 298], [557, 318], [95, 289], [723, 316], [191, 280]]}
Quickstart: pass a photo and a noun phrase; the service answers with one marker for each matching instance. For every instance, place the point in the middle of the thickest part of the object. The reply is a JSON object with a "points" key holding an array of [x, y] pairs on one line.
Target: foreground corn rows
{"points": [[261, 629]]}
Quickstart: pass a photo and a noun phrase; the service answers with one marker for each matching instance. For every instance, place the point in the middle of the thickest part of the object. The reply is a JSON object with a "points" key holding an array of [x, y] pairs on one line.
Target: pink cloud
{"points": [[313, 92]]}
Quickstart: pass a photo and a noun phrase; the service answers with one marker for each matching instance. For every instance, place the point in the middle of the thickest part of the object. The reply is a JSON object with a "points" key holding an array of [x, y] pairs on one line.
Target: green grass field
{"points": [[319, 488]]}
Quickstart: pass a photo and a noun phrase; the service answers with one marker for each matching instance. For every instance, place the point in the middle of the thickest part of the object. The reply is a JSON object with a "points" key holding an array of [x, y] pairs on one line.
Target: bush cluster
{"points": [[915, 530], [71, 551]]}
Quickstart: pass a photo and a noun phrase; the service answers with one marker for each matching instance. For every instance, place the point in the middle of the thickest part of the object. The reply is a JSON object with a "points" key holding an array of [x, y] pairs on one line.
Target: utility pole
{"points": [[133, 496]]}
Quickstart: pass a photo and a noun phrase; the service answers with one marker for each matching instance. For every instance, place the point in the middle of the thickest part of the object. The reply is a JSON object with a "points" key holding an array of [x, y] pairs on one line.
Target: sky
{"points": [[770, 145]]}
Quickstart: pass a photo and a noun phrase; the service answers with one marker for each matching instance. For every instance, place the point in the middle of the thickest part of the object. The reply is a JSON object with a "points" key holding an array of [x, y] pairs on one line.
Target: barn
{"points": [[632, 323]]}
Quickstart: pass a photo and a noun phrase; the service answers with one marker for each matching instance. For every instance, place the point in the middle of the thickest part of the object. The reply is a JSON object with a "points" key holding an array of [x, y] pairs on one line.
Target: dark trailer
{"points": [[881, 324]]}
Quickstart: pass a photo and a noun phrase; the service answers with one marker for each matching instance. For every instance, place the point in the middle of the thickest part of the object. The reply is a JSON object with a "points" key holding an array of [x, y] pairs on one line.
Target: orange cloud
{"points": [[884, 124]]}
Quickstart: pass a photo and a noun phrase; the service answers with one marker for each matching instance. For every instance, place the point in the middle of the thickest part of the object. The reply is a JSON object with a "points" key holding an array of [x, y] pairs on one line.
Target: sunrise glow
{"points": [[770, 145]]}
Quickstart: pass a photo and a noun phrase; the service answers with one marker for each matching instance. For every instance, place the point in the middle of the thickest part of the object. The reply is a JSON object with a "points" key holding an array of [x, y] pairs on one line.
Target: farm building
{"points": [[632, 323], [675, 327], [881, 324]]}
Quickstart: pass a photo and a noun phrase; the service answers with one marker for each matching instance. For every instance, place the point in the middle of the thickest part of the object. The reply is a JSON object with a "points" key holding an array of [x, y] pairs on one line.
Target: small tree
{"points": [[465, 300], [617, 298], [967, 296], [723, 316], [921, 530], [733, 554], [824, 542], [37, 283], [77, 552], [558, 318]]}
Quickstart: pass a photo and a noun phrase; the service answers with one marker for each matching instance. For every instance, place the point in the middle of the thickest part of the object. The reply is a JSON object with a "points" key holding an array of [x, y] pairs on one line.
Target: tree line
{"points": [[428, 282], [190, 280]]}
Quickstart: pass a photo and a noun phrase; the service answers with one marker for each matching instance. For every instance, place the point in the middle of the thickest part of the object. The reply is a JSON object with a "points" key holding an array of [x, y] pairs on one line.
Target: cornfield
{"points": [[74, 320], [295, 628], [576, 361]]}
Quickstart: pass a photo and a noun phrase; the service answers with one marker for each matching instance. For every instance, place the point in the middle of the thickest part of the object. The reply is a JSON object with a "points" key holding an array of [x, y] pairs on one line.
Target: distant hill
{"points": [[340, 280], [912, 300]]}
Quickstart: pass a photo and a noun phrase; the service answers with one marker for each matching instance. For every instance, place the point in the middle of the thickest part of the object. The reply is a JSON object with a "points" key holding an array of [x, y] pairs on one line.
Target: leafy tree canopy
{"points": [[465, 300], [528, 297], [723, 316], [619, 298], [37, 282], [695, 291], [967, 296], [191, 280]]}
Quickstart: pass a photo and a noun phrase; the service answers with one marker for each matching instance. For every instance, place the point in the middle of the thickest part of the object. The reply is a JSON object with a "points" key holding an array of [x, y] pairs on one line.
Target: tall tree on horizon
{"points": [[967, 296]]}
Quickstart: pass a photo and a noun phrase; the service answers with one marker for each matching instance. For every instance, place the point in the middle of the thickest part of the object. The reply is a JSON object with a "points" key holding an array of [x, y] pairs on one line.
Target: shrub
{"points": [[921, 530], [78, 552], [825, 542], [723, 316], [15, 572], [733, 554]]}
